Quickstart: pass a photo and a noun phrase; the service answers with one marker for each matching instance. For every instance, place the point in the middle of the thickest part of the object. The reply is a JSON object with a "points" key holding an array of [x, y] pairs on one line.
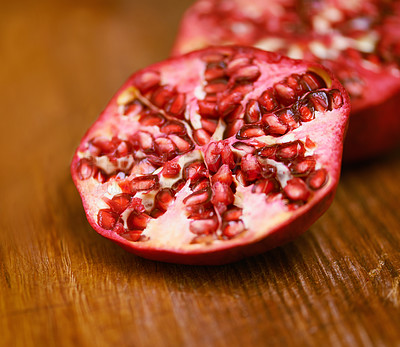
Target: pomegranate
{"points": [[179, 172], [357, 40]]}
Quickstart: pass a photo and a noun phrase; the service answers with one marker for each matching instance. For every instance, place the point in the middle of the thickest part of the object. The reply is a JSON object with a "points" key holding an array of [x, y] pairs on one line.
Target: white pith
{"points": [[257, 220]]}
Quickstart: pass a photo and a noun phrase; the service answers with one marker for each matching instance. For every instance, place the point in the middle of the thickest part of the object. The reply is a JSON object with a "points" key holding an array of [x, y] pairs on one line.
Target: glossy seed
{"points": [[317, 179], [249, 131], [272, 124], [107, 219], [199, 197], [252, 113], [201, 137], [296, 190], [267, 101]]}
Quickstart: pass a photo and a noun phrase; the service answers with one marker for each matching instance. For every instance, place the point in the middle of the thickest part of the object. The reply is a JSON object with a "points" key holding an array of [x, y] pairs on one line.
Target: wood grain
{"points": [[61, 284]]}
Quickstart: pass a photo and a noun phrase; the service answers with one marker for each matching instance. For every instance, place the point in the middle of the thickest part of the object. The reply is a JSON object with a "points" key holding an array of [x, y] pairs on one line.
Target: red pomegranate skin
{"points": [[213, 156], [357, 40]]}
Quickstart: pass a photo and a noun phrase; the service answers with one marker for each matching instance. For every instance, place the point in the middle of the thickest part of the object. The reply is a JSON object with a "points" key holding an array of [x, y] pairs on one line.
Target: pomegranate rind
{"points": [[374, 122], [268, 234]]}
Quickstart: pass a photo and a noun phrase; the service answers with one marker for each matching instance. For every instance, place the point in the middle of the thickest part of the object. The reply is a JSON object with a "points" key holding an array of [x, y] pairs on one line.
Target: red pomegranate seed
{"points": [[164, 145], [178, 185], [222, 193], [164, 198], [199, 185], [335, 99], [306, 112], [171, 169], [302, 167], [248, 73], [213, 156], [319, 100], [199, 197], [267, 152], [147, 80], [209, 125], [100, 176], [233, 128], [233, 228], [141, 183], [213, 57], [229, 101], [194, 171], [317, 179], [214, 73], [203, 226], [217, 86], [240, 178], [293, 81], [290, 151], [242, 146], [176, 106], [237, 113], [272, 124], [311, 81], [267, 101], [173, 127], [133, 108], [288, 118], [119, 203], [107, 219], [237, 63], [263, 186], [184, 144], [227, 157], [250, 130], [137, 220], [250, 167], [132, 235], [268, 171], [156, 212], [202, 212], [252, 113], [296, 190], [162, 95], [146, 141], [151, 119], [85, 169], [232, 214], [201, 137], [223, 175], [208, 107]]}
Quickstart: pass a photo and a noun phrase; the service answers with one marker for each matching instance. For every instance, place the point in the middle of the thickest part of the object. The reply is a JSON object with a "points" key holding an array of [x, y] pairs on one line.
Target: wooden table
{"points": [[62, 284]]}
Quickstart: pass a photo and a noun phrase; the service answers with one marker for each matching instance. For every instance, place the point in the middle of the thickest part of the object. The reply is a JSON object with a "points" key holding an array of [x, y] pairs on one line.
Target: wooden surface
{"points": [[61, 284]]}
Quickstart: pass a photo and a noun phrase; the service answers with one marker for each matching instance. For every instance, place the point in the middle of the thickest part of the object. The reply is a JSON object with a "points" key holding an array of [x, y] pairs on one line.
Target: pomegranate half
{"points": [[357, 40], [215, 155]]}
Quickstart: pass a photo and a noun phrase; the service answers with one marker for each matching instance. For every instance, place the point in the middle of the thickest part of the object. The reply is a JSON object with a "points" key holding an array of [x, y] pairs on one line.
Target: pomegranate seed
{"points": [[209, 125], [208, 107], [228, 102], [194, 171], [149, 182], [85, 169], [199, 185], [251, 168], [241, 146], [213, 156], [202, 212], [268, 101], [176, 106], [237, 113], [222, 193], [272, 124], [147, 80], [137, 220], [123, 149], [217, 86], [178, 185], [249, 131], [132, 235], [214, 73], [151, 119], [232, 214], [237, 63], [212, 57], [223, 175], [164, 198], [171, 170], [203, 226], [311, 81], [199, 197], [162, 95], [267, 152], [317, 179], [146, 141], [227, 157], [164, 145], [335, 98], [201, 137], [173, 127], [268, 171], [288, 118], [310, 144], [233, 128], [303, 166], [119, 203], [249, 73], [263, 187], [293, 81], [290, 151], [252, 113], [306, 113], [107, 219], [296, 190], [184, 144], [319, 100], [233, 228], [133, 109], [100, 176], [240, 178], [156, 212]]}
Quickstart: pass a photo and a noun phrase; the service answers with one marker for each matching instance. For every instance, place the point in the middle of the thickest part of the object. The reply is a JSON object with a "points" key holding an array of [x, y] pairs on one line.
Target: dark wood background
{"points": [[61, 284]]}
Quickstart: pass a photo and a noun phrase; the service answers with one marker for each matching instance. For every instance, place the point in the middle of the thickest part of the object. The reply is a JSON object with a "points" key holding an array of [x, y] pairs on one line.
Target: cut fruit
{"points": [[151, 181]]}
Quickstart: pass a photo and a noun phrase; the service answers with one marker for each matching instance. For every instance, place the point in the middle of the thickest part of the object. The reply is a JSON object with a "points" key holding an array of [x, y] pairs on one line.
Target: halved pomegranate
{"points": [[176, 171], [357, 40]]}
